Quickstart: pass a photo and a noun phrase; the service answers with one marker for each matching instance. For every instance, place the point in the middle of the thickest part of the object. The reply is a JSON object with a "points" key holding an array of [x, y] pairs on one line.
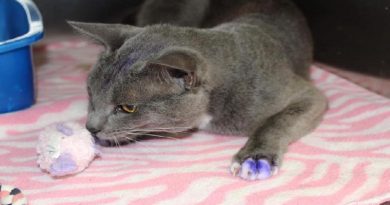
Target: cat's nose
{"points": [[92, 130], [95, 122]]}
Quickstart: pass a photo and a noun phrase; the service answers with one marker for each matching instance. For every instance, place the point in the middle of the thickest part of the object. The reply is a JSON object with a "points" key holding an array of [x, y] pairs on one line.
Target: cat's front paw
{"points": [[253, 169], [256, 162]]}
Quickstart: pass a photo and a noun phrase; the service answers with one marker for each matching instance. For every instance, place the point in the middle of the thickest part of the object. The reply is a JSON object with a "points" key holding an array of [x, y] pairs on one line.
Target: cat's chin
{"points": [[111, 142], [107, 141]]}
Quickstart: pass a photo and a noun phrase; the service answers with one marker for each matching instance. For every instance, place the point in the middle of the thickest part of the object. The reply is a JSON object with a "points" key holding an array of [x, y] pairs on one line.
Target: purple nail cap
{"points": [[264, 168], [64, 129], [63, 165], [256, 169], [251, 165]]}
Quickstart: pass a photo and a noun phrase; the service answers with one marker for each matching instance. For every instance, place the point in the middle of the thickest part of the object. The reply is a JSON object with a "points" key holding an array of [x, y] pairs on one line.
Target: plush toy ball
{"points": [[65, 148], [10, 195]]}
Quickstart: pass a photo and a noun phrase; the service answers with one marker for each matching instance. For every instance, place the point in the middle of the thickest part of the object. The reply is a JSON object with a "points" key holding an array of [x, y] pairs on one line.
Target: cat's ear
{"points": [[111, 36], [182, 66]]}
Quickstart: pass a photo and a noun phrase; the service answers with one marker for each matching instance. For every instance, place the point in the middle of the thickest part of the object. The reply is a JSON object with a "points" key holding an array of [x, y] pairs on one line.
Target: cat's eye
{"points": [[128, 108]]}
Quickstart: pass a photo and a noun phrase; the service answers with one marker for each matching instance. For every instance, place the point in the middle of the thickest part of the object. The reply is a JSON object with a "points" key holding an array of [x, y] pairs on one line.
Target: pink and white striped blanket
{"points": [[346, 160]]}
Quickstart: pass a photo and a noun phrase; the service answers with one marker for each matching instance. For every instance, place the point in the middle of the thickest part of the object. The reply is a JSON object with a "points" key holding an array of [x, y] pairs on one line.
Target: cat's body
{"points": [[247, 76], [279, 19]]}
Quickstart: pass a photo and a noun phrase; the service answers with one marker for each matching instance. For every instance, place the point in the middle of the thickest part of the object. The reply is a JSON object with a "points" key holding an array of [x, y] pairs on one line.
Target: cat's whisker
{"points": [[117, 144], [147, 134], [158, 128], [160, 136], [135, 127], [167, 130], [142, 144], [130, 132], [124, 132]]}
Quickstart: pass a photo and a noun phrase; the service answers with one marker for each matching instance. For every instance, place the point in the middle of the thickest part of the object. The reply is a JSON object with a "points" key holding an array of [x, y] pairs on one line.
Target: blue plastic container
{"points": [[20, 26]]}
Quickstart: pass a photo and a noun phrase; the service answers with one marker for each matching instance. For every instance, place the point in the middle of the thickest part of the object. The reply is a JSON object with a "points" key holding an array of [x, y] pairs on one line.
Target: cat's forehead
{"points": [[141, 88], [148, 41], [129, 59], [116, 74]]}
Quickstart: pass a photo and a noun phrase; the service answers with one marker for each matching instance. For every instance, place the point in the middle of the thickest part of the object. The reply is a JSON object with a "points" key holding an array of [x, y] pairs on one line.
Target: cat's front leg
{"points": [[262, 155]]}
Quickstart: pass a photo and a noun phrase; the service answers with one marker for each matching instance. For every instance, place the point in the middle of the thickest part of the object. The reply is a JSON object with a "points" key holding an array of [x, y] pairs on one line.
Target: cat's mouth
{"points": [[119, 138], [110, 142]]}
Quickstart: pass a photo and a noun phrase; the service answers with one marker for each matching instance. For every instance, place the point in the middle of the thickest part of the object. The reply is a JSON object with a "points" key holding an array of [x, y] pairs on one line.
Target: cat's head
{"points": [[144, 81]]}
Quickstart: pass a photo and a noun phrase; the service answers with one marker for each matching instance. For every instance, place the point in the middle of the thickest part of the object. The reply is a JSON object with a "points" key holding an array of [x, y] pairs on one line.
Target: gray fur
{"points": [[181, 13], [250, 74]]}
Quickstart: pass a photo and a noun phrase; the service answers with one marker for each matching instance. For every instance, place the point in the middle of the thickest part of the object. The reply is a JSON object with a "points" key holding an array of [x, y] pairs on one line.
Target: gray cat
{"points": [[235, 67]]}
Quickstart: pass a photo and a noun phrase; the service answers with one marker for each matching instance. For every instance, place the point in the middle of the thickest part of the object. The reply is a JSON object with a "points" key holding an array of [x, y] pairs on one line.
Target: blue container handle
{"points": [[34, 33]]}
